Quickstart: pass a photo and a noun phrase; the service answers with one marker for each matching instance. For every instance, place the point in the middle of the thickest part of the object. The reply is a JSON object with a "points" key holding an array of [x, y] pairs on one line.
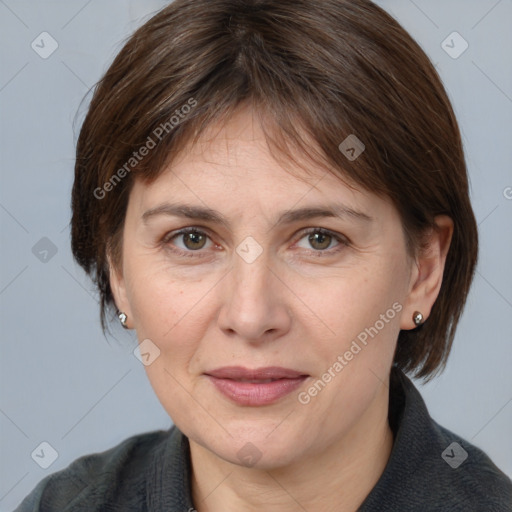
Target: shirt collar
{"points": [[415, 436], [168, 482]]}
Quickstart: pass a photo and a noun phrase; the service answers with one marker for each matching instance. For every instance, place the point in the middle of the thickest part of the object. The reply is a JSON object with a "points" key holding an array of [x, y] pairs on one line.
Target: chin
{"points": [[259, 447]]}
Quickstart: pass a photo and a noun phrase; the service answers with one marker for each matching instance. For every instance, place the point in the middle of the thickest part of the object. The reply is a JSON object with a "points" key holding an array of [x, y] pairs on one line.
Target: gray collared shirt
{"points": [[430, 469]]}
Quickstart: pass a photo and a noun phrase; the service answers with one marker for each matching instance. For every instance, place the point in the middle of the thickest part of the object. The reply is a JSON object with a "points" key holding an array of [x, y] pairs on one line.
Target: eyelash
{"points": [[342, 241]]}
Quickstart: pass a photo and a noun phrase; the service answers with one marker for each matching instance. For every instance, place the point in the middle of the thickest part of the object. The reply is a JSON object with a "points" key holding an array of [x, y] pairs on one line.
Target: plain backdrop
{"points": [[62, 382]]}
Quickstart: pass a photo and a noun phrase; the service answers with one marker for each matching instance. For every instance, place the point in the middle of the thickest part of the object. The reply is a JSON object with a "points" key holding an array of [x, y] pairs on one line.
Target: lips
{"points": [[255, 387], [241, 373]]}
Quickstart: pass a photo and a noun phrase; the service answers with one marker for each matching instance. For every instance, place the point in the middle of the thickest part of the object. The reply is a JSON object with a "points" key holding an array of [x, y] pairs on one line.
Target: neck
{"points": [[337, 479]]}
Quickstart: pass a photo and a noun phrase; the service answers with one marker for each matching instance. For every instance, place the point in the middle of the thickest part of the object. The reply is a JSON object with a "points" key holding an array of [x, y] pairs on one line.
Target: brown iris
{"points": [[319, 241], [194, 241]]}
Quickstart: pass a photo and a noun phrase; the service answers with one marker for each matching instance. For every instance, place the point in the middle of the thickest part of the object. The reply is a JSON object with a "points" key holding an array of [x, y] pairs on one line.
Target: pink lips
{"points": [[261, 386]]}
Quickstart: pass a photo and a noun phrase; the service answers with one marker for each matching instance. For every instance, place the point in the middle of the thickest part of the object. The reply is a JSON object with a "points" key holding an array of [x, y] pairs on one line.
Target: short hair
{"points": [[313, 71]]}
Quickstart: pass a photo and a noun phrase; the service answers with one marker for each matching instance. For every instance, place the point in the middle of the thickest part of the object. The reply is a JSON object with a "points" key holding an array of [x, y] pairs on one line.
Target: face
{"points": [[275, 300]]}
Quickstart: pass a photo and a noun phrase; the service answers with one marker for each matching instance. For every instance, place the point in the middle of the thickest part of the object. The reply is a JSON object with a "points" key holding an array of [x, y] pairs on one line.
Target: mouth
{"points": [[255, 387]]}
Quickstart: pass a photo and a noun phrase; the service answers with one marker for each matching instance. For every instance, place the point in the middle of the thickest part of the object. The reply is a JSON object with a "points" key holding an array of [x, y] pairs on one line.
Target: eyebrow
{"points": [[286, 217]]}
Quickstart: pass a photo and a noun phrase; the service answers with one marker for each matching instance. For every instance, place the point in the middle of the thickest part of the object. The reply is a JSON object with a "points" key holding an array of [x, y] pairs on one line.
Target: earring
{"points": [[122, 319], [417, 318]]}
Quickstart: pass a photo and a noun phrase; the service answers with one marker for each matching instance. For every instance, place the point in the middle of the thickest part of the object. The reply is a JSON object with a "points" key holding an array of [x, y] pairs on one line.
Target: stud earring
{"points": [[122, 319], [417, 318]]}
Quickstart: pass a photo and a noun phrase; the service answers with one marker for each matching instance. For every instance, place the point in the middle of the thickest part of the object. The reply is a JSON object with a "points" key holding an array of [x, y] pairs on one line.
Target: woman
{"points": [[274, 195]]}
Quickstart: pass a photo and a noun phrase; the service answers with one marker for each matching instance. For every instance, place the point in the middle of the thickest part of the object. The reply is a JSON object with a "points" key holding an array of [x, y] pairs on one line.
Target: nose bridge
{"points": [[251, 279], [251, 271], [253, 306], [251, 286]]}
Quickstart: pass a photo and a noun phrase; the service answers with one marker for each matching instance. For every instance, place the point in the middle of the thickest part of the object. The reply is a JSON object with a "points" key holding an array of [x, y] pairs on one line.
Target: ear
{"points": [[118, 287], [427, 272]]}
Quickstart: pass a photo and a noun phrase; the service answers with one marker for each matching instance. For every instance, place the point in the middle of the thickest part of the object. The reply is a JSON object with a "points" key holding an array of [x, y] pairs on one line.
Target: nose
{"points": [[254, 308]]}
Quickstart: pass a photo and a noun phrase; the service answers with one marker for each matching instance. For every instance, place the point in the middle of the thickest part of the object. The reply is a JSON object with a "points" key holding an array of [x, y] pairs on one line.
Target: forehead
{"points": [[236, 155], [241, 143], [230, 176], [231, 171]]}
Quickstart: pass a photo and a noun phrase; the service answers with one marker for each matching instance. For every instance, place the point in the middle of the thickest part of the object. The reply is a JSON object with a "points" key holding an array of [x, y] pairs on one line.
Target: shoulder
{"points": [[470, 476], [453, 473], [95, 480], [432, 468], [456, 471]]}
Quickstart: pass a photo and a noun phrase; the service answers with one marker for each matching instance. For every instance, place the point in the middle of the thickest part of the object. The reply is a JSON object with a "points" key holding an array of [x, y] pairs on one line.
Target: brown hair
{"points": [[314, 70]]}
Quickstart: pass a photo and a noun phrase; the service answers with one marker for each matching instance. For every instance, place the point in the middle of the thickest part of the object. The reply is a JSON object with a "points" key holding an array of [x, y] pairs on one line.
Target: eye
{"points": [[189, 239], [321, 240]]}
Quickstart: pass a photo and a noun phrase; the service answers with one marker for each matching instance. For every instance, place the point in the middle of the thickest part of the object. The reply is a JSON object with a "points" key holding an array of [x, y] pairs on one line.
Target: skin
{"points": [[298, 305]]}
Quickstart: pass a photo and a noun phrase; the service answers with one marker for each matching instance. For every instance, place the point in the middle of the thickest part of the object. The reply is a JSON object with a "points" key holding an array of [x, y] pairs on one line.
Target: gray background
{"points": [[61, 381]]}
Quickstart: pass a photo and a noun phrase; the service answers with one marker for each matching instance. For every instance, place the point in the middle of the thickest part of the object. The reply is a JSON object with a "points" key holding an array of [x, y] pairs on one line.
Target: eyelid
{"points": [[342, 240], [166, 241], [184, 231]]}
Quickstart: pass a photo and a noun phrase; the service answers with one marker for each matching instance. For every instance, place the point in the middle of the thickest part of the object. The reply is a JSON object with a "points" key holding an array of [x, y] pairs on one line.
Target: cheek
{"points": [[349, 303], [362, 310], [160, 301], [174, 315]]}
